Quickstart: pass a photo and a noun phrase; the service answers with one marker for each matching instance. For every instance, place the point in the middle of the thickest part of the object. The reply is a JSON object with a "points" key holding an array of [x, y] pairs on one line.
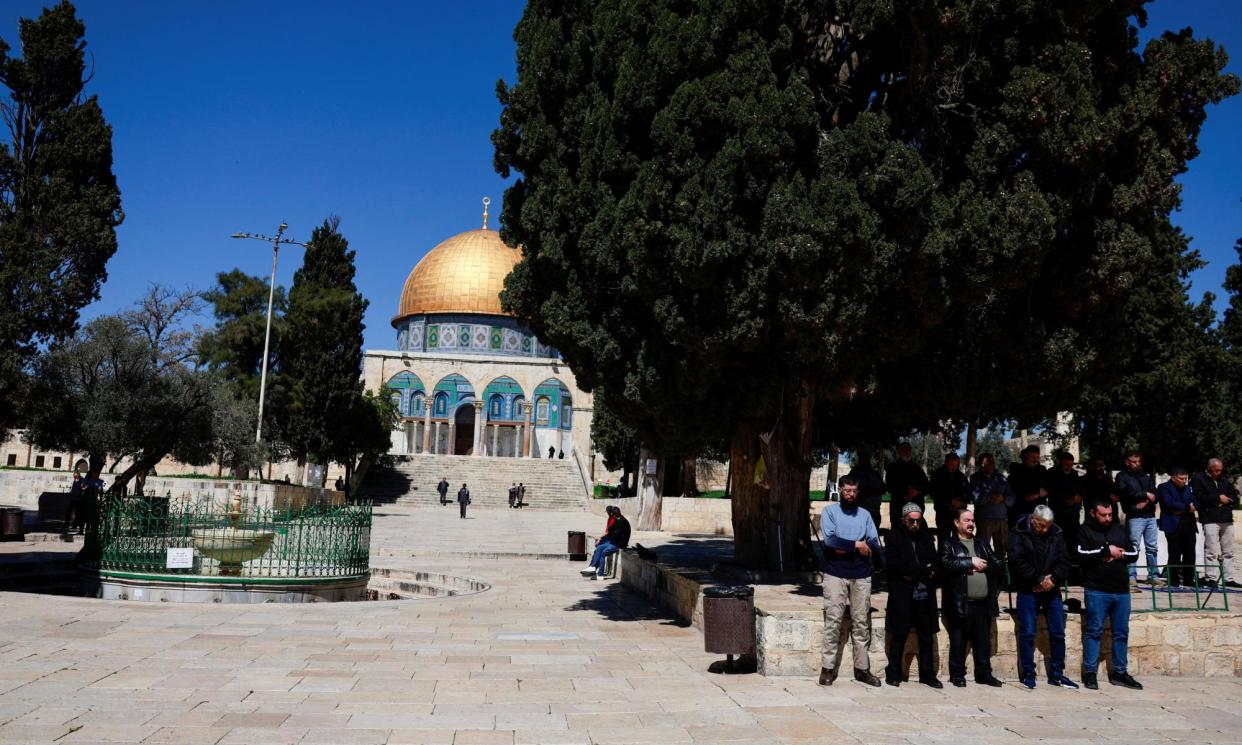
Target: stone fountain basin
{"points": [[232, 545]]}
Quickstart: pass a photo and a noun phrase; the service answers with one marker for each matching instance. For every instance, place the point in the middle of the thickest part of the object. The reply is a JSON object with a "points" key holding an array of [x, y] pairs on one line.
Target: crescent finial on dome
{"points": [[486, 202]]}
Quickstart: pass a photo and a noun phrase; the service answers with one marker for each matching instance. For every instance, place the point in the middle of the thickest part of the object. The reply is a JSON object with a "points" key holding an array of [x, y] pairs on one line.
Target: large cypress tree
{"points": [[321, 356], [811, 222], [59, 202]]}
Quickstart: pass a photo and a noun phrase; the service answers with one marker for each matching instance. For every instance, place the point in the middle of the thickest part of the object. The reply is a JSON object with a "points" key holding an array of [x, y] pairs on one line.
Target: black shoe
{"points": [[989, 681], [826, 676], [1028, 681], [1089, 682], [959, 682], [1234, 585], [1125, 681], [893, 681], [932, 683], [865, 676]]}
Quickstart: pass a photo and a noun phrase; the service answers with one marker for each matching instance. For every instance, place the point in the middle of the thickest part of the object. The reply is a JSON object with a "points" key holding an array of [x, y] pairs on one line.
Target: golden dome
{"points": [[463, 274]]}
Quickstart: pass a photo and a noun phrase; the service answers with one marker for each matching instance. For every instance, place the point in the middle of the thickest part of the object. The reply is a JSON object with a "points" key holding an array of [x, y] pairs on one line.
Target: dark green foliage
{"points": [[321, 348], [234, 348], [59, 202], [612, 438], [927, 211], [127, 386]]}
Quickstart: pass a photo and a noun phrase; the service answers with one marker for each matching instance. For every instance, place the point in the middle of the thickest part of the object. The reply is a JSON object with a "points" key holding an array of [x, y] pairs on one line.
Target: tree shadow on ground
{"points": [[616, 602]]}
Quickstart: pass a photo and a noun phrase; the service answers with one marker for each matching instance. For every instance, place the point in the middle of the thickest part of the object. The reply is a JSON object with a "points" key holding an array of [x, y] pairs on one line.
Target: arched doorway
{"points": [[463, 425]]}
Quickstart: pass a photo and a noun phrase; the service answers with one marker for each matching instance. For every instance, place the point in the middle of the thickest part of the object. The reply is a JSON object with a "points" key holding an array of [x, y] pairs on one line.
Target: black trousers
{"points": [[923, 620], [1182, 552], [975, 629], [463, 509]]}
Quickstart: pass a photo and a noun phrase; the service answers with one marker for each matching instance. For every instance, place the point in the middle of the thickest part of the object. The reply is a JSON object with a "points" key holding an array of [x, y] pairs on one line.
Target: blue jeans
{"points": [[1030, 607], [597, 559], [1144, 528], [1115, 607]]}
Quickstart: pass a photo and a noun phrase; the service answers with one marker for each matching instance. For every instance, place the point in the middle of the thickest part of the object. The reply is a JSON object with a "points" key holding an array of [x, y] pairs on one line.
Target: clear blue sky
{"points": [[231, 116]]}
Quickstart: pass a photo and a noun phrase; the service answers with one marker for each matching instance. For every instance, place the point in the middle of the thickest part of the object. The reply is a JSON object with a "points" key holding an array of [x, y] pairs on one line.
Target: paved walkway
{"points": [[543, 657]]}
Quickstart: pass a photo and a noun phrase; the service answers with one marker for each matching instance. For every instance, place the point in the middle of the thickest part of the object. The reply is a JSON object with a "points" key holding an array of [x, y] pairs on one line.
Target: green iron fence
{"points": [[1200, 595], [315, 541]]}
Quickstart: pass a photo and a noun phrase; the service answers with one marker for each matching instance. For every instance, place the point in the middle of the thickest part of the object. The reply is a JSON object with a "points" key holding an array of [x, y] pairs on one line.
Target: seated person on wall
{"points": [[971, 574], [616, 537], [913, 570], [1040, 565]]}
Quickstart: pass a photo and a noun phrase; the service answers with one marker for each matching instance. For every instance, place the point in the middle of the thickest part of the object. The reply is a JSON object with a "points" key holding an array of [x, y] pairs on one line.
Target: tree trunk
{"points": [[690, 476], [142, 463], [835, 455], [771, 526], [650, 489], [925, 442], [729, 479], [972, 446]]}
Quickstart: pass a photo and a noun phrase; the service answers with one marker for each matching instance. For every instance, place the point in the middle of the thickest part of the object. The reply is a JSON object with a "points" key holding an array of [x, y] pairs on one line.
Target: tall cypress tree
{"points": [[322, 346], [59, 202], [800, 223]]}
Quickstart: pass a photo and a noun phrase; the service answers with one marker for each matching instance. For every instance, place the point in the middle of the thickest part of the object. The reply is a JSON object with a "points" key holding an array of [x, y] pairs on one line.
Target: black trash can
{"points": [[729, 621], [11, 528], [577, 545]]}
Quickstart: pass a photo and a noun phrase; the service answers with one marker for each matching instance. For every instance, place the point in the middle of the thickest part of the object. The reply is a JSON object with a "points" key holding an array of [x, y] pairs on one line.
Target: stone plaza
{"points": [[543, 656]]}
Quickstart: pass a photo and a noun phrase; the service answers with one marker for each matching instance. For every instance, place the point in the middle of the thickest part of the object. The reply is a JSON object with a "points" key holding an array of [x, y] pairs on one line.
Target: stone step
{"points": [[550, 484]]}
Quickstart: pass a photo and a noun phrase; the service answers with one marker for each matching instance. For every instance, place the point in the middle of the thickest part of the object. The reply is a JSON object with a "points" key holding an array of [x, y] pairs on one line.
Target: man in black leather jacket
{"points": [[971, 573]]}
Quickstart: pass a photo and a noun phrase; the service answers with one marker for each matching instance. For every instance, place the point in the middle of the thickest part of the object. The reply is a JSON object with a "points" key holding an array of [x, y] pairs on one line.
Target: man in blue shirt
{"points": [[850, 538]]}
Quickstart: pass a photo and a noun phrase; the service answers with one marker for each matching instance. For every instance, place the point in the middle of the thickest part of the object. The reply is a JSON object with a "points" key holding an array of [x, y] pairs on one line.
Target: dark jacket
{"points": [[1032, 556], [955, 564], [618, 533], [1175, 505], [463, 495], [1062, 488], [870, 490], [442, 487], [1098, 572], [945, 487], [1025, 481], [900, 475], [1132, 488], [911, 560], [1208, 492], [1097, 489]]}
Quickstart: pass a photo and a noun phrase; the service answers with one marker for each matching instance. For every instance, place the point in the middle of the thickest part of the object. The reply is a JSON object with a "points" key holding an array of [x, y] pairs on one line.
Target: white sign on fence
{"points": [[180, 558], [653, 466]]}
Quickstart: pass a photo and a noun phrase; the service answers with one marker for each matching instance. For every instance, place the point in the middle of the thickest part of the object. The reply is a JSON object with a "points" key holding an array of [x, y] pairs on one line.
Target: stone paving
{"points": [[543, 657]]}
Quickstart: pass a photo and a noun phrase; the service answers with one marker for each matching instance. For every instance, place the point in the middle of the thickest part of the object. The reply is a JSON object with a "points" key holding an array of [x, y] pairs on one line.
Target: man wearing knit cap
{"points": [[913, 569], [850, 540]]}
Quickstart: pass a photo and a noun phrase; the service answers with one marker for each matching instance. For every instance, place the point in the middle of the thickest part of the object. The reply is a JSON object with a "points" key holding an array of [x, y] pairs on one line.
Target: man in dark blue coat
{"points": [[1177, 522]]}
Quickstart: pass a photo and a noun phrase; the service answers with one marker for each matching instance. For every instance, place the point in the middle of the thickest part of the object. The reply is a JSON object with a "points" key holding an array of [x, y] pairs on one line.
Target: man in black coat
{"points": [[463, 499], [912, 566], [1029, 482], [870, 486], [1039, 565], [906, 482], [971, 574], [950, 492], [443, 487], [1137, 490], [1097, 486], [1104, 552], [1065, 497]]}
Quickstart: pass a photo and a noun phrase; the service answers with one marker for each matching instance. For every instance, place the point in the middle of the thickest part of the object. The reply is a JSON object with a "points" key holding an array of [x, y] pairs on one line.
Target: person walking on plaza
{"points": [[950, 492], [1137, 493], [512, 494], [443, 488], [993, 498], [1029, 482], [616, 537], [971, 575], [1177, 522], [1039, 563], [521, 495], [913, 570], [1065, 497], [1104, 551], [906, 482], [463, 499], [1217, 497], [850, 539]]}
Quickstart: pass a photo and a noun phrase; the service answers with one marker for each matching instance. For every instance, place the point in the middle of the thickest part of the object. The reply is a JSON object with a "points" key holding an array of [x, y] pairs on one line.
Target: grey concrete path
{"points": [[543, 657]]}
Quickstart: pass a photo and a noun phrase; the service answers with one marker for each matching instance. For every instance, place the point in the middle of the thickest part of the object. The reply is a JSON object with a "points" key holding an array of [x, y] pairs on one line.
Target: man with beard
{"points": [[971, 575], [1104, 551], [1217, 497], [1137, 490], [850, 538], [912, 574]]}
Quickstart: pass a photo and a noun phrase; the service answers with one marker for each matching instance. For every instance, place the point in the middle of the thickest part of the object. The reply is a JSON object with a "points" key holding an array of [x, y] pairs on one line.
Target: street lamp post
{"points": [[276, 242]]}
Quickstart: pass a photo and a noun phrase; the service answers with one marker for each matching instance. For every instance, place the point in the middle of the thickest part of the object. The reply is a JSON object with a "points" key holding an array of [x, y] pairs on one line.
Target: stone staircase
{"points": [[412, 479]]}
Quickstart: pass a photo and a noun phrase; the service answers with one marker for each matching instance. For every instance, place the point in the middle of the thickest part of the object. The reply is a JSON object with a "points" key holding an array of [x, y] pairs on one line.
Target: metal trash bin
{"points": [[729, 621], [11, 528], [577, 545]]}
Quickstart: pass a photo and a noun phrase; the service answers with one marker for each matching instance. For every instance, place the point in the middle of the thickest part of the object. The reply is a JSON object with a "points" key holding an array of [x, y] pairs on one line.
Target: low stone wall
{"points": [[789, 637], [20, 488]]}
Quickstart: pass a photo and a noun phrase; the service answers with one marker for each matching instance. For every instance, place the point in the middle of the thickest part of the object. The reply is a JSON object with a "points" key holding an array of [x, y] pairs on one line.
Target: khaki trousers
{"points": [[838, 595], [1217, 549]]}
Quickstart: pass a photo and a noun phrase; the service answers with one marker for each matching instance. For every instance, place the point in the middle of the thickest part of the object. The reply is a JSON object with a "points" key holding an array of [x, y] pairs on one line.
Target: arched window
{"points": [[515, 408], [567, 409], [417, 404], [442, 401], [496, 407], [543, 409]]}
